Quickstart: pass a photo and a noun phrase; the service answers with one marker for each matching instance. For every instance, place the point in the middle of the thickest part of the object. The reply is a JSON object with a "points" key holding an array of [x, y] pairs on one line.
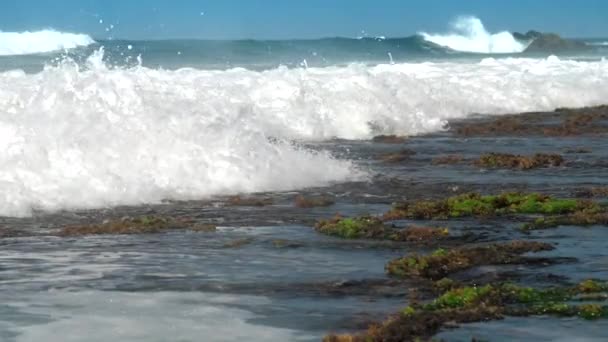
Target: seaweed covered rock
{"points": [[396, 157], [369, 227], [570, 122], [238, 201], [313, 202], [449, 159], [598, 191], [512, 161], [389, 139], [474, 204], [442, 263], [582, 218], [478, 304], [137, 225]]}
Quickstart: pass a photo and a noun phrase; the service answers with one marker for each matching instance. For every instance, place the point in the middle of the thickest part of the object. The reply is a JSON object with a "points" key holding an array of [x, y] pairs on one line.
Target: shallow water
{"points": [[286, 282]]}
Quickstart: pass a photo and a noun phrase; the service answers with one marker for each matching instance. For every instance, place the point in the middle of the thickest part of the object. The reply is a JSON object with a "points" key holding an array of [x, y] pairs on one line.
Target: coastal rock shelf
{"points": [[499, 221]]}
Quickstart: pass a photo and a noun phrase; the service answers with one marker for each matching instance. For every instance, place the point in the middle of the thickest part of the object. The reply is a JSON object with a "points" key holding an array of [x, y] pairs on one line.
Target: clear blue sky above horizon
{"points": [[276, 19]]}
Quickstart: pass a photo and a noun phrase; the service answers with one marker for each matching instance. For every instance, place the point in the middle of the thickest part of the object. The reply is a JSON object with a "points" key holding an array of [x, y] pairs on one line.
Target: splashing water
{"points": [[469, 35], [23, 43], [95, 136]]}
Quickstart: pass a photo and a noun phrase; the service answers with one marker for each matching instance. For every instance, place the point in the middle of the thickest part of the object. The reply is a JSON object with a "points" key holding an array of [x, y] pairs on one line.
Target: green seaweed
{"points": [[481, 303], [474, 204], [441, 263], [369, 227]]}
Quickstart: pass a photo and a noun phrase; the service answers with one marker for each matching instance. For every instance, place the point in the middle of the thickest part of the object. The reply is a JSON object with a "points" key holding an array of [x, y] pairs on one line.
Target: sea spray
{"points": [[469, 35], [24, 43]]}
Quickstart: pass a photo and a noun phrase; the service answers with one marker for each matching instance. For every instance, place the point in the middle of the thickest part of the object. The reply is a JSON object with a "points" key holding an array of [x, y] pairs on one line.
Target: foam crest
{"points": [[469, 35], [76, 138], [25, 43]]}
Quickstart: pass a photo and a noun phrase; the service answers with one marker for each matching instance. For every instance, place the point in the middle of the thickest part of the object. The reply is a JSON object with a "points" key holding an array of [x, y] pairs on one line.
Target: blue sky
{"points": [[275, 19]]}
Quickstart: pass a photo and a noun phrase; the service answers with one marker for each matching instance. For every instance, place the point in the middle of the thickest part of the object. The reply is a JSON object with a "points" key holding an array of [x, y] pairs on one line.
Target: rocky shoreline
{"points": [[466, 249]]}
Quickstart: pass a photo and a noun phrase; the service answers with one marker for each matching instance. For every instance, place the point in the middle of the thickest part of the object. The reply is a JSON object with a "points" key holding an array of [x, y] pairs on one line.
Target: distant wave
{"points": [[469, 35], [26, 43]]}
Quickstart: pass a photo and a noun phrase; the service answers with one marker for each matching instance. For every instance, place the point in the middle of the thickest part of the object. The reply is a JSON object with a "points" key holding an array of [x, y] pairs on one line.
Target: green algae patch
{"points": [[370, 227], [581, 218], [477, 304], [512, 161], [474, 204], [442, 263], [137, 225]]}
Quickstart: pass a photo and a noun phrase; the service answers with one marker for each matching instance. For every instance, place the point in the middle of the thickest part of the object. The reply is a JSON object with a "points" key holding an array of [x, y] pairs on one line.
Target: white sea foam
{"points": [[469, 35], [74, 138], [25, 43]]}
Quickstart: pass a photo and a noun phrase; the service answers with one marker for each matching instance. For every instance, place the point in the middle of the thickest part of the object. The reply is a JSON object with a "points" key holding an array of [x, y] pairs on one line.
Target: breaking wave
{"points": [[74, 137], [26, 43], [469, 35]]}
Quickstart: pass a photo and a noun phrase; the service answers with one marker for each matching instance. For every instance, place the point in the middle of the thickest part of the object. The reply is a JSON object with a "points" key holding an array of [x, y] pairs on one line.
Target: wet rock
{"points": [[553, 43], [11, 233], [478, 304], [578, 150], [582, 218], [441, 263], [238, 201], [511, 161], [313, 202], [368, 227], [571, 122], [280, 243], [528, 36], [450, 159], [474, 204], [138, 225], [396, 157], [389, 139], [238, 243], [598, 191]]}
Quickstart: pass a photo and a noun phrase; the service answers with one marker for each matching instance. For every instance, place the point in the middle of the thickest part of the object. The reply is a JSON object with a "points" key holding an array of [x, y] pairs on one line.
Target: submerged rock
{"points": [[396, 157], [582, 218], [313, 202], [138, 225], [238, 201], [474, 204], [442, 263], [368, 227], [449, 159], [389, 139], [478, 304], [512, 161]]}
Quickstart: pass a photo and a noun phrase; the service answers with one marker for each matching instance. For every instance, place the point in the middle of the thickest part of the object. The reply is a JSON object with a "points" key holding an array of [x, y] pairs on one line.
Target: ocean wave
{"points": [[469, 35], [73, 137], [26, 43]]}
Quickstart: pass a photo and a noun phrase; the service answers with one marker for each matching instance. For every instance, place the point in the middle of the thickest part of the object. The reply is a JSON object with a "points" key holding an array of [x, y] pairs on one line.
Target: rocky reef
{"points": [[549, 42]]}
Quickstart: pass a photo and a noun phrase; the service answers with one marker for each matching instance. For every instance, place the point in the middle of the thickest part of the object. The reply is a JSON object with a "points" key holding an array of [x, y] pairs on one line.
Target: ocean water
{"points": [[92, 129], [110, 122]]}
